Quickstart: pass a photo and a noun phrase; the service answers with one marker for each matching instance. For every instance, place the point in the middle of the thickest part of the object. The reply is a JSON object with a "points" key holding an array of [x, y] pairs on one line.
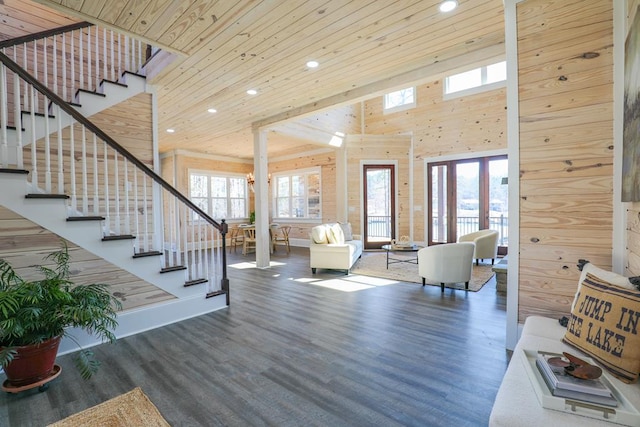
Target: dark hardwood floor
{"points": [[297, 350]]}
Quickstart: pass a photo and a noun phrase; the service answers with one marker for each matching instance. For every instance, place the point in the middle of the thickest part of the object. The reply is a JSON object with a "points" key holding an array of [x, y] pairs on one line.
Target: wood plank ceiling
{"points": [[223, 48]]}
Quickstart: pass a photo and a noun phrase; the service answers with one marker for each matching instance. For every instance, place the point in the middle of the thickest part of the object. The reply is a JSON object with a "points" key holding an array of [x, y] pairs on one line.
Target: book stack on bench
{"points": [[561, 384]]}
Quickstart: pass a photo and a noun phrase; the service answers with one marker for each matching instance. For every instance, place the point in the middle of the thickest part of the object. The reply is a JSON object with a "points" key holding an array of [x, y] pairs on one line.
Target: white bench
{"points": [[517, 404]]}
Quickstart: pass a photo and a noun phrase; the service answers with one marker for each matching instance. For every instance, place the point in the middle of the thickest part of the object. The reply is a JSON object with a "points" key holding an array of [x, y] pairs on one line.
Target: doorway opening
{"points": [[379, 205], [466, 196]]}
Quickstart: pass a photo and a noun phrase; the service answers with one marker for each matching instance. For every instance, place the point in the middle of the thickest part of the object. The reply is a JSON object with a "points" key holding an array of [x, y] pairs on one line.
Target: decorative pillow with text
{"points": [[604, 324]]}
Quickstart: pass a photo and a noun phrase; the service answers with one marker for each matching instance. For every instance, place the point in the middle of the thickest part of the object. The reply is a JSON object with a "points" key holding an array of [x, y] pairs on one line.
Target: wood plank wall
{"points": [[327, 163], [176, 166], [23, 243], [363, 149], [565, 55], [461, 126]]}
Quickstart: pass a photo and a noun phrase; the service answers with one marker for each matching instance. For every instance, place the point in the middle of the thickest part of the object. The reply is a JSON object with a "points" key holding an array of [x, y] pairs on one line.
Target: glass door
{"points": [[466, 196], [438, 204], [379, 206]]}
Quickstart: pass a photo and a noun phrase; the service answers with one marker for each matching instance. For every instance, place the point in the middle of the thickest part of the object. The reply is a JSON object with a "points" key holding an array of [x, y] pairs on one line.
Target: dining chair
{"points": [[236, 237], [249, 239], [281, 237]]}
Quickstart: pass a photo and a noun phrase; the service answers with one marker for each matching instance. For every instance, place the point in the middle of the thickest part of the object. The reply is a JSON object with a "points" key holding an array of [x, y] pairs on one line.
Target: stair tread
{"points": [[51, 116], [195, 282], [16, 171], [113, 83], [46, 196], [93, 92], [146, 254], [134, 74], [118, 237], [174, 268], [85, 218]]}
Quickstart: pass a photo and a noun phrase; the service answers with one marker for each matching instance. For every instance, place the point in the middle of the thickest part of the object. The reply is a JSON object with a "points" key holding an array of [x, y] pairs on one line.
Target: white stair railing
{"points": [[76, 57], [122, 191]]}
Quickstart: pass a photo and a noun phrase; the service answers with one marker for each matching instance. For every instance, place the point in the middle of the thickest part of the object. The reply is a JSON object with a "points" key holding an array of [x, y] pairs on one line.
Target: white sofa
{"points": [[333, 246], [516, 403]]}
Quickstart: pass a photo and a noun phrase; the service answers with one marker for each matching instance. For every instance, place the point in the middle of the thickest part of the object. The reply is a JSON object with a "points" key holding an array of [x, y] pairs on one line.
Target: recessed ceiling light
{"points": [[312, 64], [212, 110], [252, 92], [448, 5], [170, 130]]}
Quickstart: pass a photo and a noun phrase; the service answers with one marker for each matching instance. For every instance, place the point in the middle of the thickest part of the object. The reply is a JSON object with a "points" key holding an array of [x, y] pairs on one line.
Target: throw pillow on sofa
{"points": [[335, 234], [347, 231], [319, 234], [605, 325]]}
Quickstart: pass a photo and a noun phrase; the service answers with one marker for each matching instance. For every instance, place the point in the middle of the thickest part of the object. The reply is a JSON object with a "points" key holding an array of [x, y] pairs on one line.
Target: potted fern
{"points": [[35, 315]]}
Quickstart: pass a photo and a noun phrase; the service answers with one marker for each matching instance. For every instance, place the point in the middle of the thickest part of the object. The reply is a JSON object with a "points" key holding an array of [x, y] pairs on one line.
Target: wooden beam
{"points": [[432, 71]]}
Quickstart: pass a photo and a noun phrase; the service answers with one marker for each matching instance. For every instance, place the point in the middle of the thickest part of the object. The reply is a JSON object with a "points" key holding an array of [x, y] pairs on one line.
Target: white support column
{"points": [[261, 187], [513, 132]]}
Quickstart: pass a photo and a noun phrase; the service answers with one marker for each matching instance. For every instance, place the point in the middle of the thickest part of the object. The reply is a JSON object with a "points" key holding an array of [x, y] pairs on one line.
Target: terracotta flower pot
{"points": [[32, 363]]}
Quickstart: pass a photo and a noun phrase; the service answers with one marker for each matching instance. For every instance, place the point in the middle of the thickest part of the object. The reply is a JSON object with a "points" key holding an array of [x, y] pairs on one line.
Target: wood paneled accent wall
{"points": [[460, 126], [23, 243], [565, 61]]}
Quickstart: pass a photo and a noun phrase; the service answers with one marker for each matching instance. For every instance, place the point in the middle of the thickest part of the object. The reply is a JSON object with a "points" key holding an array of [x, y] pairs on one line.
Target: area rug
{"points": [[130, 409], [375, 264]]}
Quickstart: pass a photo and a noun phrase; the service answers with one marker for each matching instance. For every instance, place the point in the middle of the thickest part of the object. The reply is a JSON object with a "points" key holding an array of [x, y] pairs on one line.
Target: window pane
{"points": [[282, 206], [282, 186], [399, 98], [201, 203], [236, 187], [299, 207], [297, 186], [219, 208], [198, 186], [468, 201], [466, 80], [218, 186], [238, 208], [439, 204], [496, 72]]}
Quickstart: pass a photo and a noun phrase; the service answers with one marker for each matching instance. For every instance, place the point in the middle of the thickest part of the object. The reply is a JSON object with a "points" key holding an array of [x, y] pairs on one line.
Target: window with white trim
{"points": [[489, 75], [221, 196], [400, 100], [297, 195]]}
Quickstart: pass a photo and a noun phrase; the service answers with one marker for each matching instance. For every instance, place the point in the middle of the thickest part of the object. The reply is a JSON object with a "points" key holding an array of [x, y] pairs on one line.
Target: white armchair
{"points": [[447, 263], [486, 242]]}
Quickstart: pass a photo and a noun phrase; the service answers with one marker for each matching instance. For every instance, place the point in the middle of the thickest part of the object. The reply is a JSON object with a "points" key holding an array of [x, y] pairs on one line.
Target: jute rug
{"points": [[375, 264], [130, 409]]}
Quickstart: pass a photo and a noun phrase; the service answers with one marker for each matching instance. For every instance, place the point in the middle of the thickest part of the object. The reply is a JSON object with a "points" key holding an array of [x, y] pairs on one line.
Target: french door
{"points": [[379, 206], [465, 196]]}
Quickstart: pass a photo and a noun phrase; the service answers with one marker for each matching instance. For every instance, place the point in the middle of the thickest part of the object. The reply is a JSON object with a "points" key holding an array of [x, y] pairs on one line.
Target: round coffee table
{"points": [[401, 249]]}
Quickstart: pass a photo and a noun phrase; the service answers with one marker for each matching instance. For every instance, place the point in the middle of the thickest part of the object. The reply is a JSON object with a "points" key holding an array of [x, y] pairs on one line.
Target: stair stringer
{"points": [[52, 215], [190, 302]]}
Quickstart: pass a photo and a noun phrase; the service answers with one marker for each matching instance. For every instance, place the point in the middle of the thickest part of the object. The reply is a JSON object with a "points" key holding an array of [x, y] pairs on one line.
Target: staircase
{"points": [[62, 172]]}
